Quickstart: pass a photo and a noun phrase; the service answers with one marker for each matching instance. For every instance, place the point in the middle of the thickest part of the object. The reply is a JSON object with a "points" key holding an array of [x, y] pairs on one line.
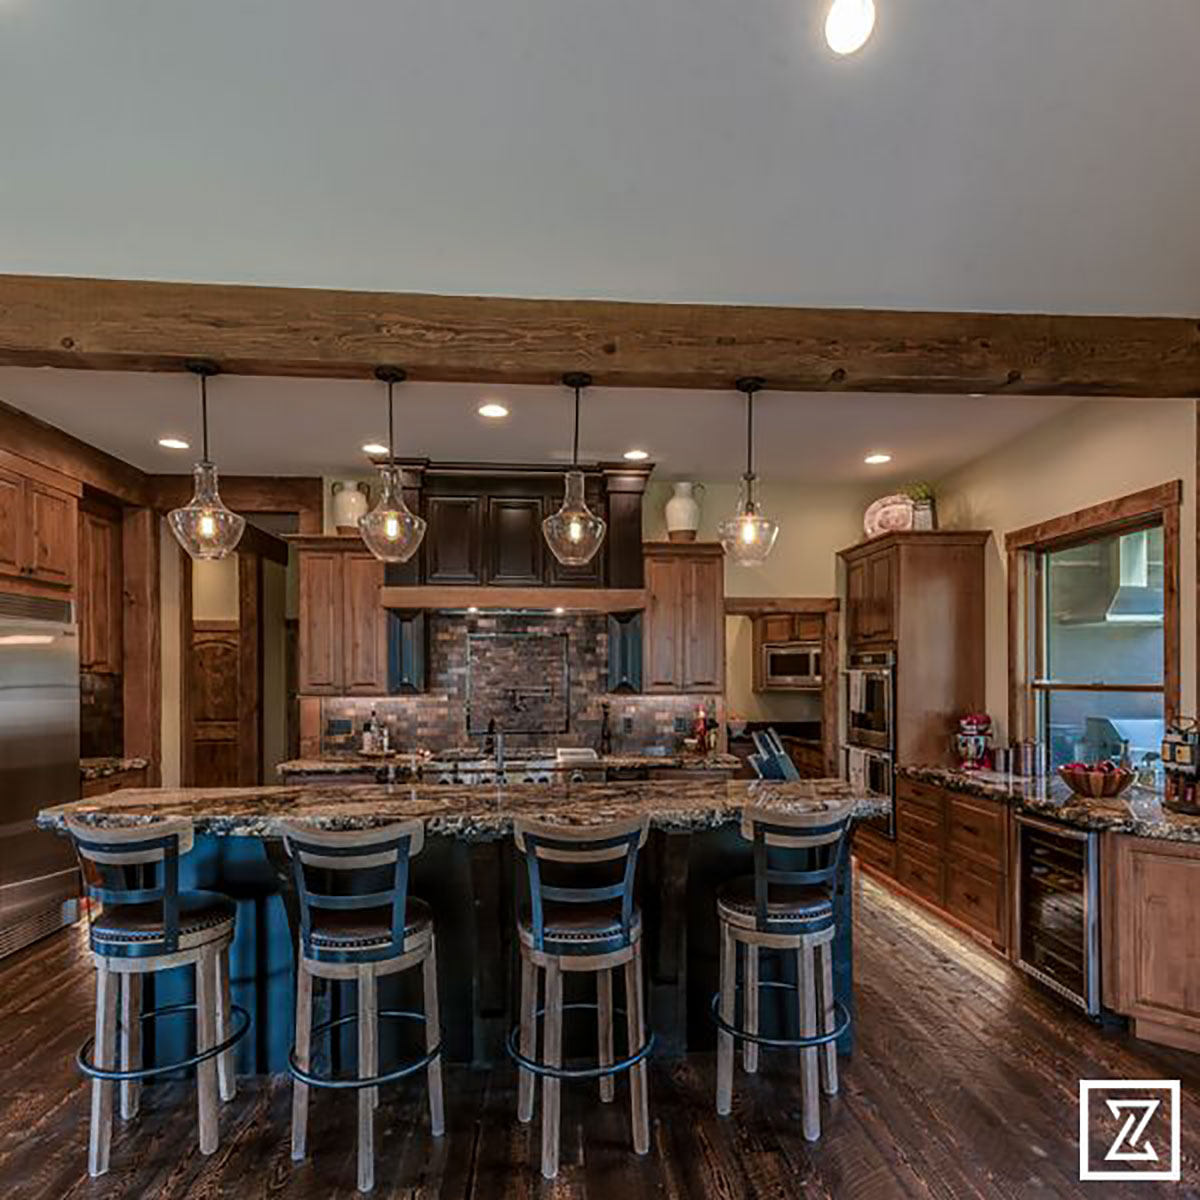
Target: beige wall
{"points": [[1096, 451], [741, 698], [215, 590]]}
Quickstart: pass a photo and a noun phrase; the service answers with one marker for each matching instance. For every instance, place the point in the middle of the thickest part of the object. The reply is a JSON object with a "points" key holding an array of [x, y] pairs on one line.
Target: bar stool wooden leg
{"points": [[604, 1030], [806, 977], [368, 1050], [636, 1025], [750, 1049], [303, 1061], [552, 1087], [529, 997], [433, 1035], [206, 1038], [725, 1040], [828, 1052], [131, 1042], [104, 1055], [226, 1064]]}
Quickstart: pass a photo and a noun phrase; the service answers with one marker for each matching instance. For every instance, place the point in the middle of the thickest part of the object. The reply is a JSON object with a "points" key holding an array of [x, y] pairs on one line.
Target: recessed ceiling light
{"points": [[493, 411], [876, 459], [637, 455], [171, 443], [472, 609], [558, 612], [849, 24], [976, 395], [374, 448]]}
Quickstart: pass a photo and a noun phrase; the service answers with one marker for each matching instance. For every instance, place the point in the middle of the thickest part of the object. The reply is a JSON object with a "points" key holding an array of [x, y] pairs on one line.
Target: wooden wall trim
{"points": [[570, 599], [303, 495], [155, 326], [757, 606], [52, 448], [1087, 521], [141, 675]]}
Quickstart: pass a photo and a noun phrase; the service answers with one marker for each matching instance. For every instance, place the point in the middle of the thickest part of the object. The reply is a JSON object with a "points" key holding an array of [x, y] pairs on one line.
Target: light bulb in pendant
{"points": [[207, 526], [749, 532], [575, 531], [849, 25], [391, 527]]}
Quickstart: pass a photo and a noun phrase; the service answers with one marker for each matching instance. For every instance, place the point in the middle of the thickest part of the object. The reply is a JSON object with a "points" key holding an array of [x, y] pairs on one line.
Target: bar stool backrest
{"points": [[616, 843], [334, 868], [134, 864], [815, 840]]}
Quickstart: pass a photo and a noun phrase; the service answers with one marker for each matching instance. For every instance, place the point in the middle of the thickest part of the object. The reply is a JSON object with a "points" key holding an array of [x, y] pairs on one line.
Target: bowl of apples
{"points": [[1096, 781]]}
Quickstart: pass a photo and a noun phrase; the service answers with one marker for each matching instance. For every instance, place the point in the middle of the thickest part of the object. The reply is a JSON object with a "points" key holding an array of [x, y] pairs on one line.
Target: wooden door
{"points": [[452, 541], [53, 529], [881, 590], [363, 627], [516, 546], [13, 522], [857, 616], [216, 650], [100, 613], [661, 664], [321, 608], [703, 640]]}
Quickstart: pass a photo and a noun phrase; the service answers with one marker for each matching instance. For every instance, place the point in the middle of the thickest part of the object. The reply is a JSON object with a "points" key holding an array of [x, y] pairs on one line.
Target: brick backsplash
{"points": [[101, 727], [477, 663]]}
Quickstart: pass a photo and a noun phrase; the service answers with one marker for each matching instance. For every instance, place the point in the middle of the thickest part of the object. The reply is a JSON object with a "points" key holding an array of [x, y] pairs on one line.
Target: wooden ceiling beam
{"points": [[138, 326], [300, 494]]}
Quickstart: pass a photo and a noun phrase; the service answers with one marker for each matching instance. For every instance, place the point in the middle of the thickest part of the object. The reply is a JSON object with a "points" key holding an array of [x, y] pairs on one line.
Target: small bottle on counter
{"points": [[368, 732]]}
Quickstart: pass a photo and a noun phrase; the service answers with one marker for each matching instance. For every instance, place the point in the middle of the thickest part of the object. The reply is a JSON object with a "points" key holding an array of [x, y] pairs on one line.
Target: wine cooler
{"points": [[1058, 928]]}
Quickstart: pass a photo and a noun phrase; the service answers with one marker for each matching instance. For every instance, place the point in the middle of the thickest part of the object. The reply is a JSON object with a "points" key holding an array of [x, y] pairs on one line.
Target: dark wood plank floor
{"points": [[963, 1084]]}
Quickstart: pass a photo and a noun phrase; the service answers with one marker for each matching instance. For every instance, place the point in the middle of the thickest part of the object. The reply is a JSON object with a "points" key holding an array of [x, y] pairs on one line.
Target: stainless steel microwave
{"points": [[791, 666]]}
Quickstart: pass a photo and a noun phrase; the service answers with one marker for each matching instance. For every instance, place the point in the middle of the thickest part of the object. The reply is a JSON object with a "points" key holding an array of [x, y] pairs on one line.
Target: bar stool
{"points": [[573, 927], [357, 921], [148, 925], [792, 911]]}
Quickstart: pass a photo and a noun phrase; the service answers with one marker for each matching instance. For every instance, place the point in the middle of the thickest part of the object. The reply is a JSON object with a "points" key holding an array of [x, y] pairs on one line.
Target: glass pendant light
{"points": [[392, 533], [574, 533], [204, 527], [748, 536]]}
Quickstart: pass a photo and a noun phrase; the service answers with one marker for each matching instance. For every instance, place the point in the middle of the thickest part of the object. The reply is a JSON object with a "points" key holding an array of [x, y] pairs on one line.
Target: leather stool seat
{"points": [[203, 917]]}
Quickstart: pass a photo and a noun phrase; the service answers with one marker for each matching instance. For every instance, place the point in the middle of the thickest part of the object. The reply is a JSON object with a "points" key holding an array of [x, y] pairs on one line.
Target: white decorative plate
{"points": [[889, 514]]}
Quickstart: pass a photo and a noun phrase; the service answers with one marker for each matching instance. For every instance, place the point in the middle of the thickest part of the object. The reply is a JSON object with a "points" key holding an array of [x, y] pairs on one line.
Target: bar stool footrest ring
{"points": [[841, 1015], [85, 1064], [408, 1068], [537, 1067]]}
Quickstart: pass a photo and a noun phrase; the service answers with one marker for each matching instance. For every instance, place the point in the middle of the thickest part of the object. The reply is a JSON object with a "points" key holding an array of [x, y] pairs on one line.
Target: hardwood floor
{"points": [[964, 1083]]}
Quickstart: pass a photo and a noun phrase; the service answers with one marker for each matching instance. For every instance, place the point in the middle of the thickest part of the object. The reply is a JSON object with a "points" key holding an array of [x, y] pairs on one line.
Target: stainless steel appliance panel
{"points": [[792, 666], [871, 700], [39, 765]]}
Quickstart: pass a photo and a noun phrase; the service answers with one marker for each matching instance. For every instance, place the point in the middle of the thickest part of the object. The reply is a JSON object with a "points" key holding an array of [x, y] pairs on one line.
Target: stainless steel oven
{"points": [[871, 700], [1058, 927], [791, 666]]}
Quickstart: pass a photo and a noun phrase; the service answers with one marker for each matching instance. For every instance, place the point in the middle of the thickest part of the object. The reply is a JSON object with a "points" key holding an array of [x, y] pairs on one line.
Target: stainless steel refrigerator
{"points": [[39, 765]]}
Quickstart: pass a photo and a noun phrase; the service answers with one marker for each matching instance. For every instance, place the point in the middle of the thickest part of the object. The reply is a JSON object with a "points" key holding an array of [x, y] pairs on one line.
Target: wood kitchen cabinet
{"points": [[871, 596], [100, 609], [951, 851], [38, 524], [343, 626], [684, 647]]}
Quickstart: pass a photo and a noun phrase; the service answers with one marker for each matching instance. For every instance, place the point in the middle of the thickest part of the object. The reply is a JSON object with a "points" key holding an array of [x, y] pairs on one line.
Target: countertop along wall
{"points": [[1098, 450]]}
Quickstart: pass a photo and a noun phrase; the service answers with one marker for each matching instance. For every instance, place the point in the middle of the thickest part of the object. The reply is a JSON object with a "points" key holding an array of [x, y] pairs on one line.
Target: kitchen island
{"points": [[472, 878]]}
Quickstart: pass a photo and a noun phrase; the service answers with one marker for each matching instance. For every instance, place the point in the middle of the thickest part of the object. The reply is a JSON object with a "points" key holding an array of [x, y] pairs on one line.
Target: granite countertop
{"points": [[474, 813], [1139, 811], [346, 764], [101, 768]]}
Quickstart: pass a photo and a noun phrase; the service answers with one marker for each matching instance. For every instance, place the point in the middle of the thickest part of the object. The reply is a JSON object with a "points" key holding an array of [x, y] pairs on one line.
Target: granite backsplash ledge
{"points": [[543, 677]]}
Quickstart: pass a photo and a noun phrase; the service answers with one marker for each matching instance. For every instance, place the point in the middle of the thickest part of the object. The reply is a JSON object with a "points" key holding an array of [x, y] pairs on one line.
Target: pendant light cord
{"points": [[575, 443], [391, 441], [204, 412], [750, 435]]}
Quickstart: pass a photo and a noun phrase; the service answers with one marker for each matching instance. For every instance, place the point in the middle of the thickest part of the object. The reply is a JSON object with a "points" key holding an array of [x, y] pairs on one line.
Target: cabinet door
{"points": [[452, 539], [857, 616], [13, 556], [53, 528], [808, 627], [776, 628], [99, 607], [320, 622], [363, 627], [516, 547], [881, 590], [661, 663], [703, 639]]}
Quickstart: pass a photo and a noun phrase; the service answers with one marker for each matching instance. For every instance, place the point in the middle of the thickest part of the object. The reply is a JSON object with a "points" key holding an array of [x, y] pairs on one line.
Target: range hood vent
{"points": [[1123, 593]]}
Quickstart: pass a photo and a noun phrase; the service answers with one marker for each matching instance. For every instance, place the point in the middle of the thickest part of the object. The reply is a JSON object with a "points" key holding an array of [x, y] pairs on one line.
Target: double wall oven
{"points": [[870, 728]]}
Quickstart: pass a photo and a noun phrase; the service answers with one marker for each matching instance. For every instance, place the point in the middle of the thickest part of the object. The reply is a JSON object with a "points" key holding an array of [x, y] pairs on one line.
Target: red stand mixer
{"points": [[973, 741]]}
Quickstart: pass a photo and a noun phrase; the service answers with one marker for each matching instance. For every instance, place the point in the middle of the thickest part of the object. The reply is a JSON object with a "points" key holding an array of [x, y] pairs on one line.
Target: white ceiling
{"points": [[991, 154], [317, 427]]}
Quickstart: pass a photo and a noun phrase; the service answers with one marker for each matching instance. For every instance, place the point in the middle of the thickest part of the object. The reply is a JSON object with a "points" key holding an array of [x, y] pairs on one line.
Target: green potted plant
{"points": [[924, 505]]}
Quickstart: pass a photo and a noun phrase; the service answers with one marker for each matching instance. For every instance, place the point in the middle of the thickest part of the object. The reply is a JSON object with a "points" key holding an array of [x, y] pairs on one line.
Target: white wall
{"points": [[1096, 451]]}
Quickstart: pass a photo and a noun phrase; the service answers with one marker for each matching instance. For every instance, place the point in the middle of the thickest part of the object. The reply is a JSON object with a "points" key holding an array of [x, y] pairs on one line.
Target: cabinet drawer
{"points": [[920, 871], [925, 794], [915, 823], [977, 828], [875, 852], [977, 898]]}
